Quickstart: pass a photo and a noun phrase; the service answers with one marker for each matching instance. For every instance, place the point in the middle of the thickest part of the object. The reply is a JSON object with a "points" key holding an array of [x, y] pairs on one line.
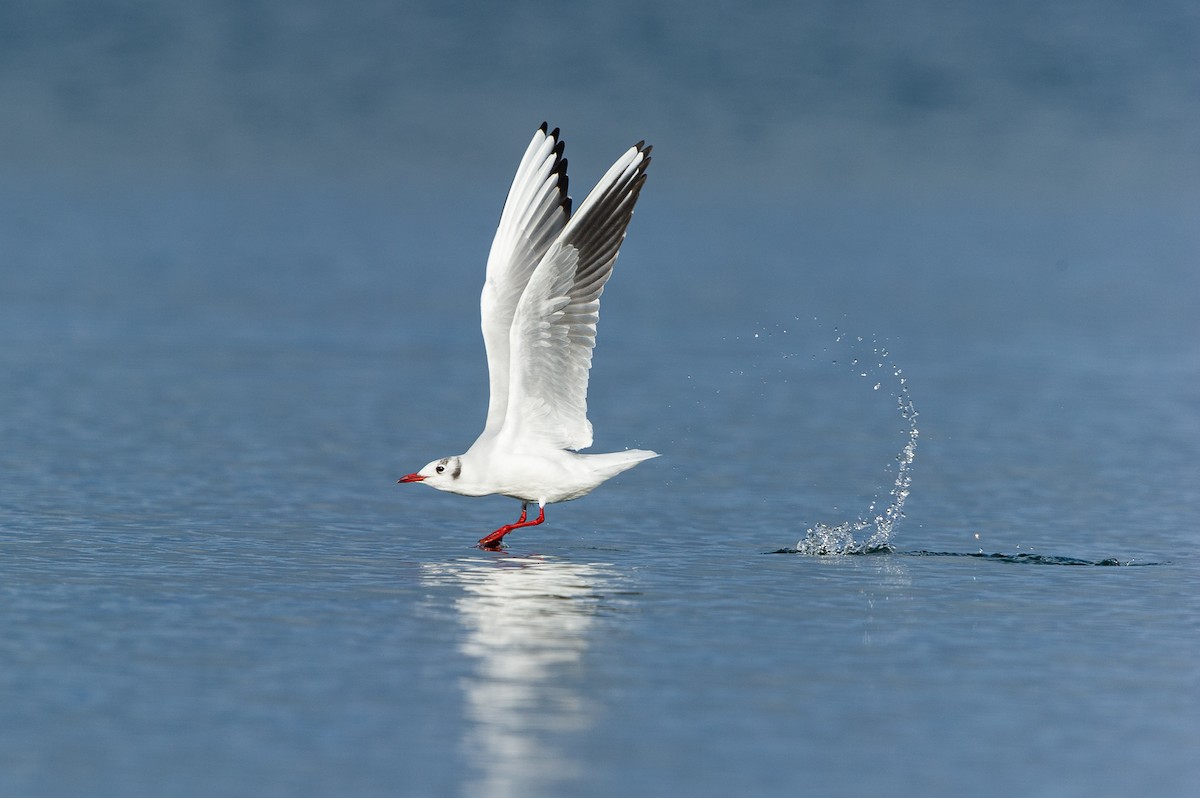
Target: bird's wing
{"points": [[554, 329], [534, 214]]}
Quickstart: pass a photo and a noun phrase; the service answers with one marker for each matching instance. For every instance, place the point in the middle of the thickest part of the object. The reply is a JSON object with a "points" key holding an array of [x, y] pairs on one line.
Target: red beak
{"points": [[411, 478]]}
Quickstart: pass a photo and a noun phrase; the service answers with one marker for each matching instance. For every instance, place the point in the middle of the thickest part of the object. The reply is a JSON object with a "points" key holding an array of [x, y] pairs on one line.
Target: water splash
{"points": [[847, 537]]}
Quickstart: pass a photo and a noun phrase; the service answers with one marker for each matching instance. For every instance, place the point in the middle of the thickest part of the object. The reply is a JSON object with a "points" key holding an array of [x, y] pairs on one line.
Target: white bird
{"points": [[539, 308]]}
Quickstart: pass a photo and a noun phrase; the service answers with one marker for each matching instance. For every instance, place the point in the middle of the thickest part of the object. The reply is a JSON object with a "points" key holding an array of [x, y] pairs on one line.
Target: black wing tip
{"points": [[555, 134], [644, 149], [564, 185]]}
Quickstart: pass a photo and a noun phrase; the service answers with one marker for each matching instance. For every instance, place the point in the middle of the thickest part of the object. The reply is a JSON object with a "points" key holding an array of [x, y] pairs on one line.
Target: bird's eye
{"points": [[440, 469]]}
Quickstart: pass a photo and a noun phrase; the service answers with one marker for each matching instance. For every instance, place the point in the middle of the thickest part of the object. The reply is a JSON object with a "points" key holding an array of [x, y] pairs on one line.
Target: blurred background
{"points": [[1047, 102], [241, 248], [925, 156]]}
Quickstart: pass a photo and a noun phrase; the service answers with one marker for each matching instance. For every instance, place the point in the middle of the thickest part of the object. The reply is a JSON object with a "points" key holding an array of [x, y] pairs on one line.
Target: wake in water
{"points": [[1030, 559], [1016, 559], [872, 534]]}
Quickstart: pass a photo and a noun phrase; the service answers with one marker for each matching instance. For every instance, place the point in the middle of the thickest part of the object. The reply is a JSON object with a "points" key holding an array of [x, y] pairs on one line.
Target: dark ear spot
{"points": [[457, 467]]}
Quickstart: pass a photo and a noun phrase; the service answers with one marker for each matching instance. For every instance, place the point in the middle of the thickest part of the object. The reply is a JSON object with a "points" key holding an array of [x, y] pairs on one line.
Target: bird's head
{"points": [[440, 474]]}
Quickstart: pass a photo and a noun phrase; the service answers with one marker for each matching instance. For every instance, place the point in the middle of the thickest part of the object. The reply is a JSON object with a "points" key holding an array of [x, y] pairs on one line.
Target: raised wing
{"points": [[554, 329], [534, 214]]}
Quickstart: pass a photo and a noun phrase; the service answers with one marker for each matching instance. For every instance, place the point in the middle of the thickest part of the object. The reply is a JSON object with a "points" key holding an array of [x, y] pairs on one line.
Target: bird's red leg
{"points": [[492, 541]]}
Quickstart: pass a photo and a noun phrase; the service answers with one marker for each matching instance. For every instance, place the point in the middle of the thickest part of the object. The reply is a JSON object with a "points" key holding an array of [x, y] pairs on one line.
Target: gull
{"points": [[538, 311]]}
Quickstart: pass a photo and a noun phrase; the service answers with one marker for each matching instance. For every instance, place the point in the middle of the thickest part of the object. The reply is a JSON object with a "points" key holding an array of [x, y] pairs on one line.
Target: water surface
{"points": [[238, 297]]}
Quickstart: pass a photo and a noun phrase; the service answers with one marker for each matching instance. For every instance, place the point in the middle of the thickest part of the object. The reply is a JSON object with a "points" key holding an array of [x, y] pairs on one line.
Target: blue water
{"points": [[240, 255]]}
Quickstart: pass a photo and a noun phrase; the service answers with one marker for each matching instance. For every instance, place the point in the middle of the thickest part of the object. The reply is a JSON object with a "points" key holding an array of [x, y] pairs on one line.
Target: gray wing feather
{"points": [[554, 328], [534, 215]]}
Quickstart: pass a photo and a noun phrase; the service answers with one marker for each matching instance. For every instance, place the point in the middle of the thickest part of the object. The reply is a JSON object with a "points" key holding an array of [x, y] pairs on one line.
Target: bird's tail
{"points": [[613, 463]]}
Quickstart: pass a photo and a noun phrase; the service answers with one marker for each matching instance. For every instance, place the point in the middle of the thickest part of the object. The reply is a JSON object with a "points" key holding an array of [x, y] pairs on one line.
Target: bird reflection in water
{"points": [[526, 622]]}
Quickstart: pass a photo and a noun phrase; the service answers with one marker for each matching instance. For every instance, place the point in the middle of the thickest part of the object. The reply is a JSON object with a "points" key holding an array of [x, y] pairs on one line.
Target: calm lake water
{"points": [[210, 583]]}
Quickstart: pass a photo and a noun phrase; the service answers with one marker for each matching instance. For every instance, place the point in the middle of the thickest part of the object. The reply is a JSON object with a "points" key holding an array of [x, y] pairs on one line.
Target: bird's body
{"points": [[538, 310]]}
